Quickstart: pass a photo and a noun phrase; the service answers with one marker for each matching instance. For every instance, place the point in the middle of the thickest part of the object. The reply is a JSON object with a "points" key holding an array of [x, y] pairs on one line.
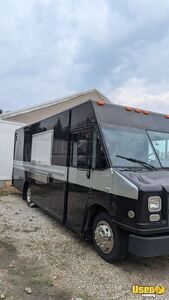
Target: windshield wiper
{"points": [[143, 163]]}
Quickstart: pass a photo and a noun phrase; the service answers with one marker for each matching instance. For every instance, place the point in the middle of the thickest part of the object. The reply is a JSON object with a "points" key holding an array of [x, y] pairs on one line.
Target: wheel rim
{"points": [[29, 196], [104, 237]]}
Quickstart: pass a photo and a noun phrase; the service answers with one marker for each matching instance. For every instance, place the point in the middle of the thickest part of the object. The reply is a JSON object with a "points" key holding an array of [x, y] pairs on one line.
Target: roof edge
{"points": [[12, 122], [50, 103]]}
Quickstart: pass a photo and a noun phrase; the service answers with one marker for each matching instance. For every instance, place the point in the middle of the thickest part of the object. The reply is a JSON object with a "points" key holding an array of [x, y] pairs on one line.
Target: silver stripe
{"points": [[108, 181], [57, 172], [122, 186]]}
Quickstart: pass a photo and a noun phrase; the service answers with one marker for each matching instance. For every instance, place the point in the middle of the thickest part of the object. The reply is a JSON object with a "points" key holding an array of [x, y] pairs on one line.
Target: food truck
{"points": [[103, 170]]}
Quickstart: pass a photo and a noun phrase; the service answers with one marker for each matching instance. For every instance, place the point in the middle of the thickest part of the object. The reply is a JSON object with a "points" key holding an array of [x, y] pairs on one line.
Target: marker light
{"points": [[137, 110], [101, 102], [154, 203], [128, 108], [146, 112]]}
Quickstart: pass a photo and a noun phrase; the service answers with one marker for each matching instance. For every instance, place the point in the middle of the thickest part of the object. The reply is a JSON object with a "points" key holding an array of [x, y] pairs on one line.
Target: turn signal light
{"points": [[167, 116]]}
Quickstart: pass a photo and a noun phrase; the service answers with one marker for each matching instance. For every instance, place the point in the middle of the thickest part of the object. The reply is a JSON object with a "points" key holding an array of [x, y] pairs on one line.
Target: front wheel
{"points": [[29, 197], [109, 242]]}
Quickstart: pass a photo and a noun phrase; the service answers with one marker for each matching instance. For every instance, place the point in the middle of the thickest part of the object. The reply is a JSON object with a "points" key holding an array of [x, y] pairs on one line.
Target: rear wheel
{"points": [[29, 197], [109, 242]]}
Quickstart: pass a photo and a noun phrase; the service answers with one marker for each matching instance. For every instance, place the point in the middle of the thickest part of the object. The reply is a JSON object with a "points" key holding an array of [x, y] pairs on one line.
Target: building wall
{"points": [[44, 112], [7, 133]]}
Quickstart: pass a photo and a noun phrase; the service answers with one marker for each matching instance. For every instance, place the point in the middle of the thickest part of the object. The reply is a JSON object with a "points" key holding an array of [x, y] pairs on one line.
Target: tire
{"points": [[109, 242], [29, 197]]}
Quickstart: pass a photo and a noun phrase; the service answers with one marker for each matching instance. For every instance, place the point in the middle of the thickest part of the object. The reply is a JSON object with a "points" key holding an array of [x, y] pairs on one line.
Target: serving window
{"points": [[41, 151]]}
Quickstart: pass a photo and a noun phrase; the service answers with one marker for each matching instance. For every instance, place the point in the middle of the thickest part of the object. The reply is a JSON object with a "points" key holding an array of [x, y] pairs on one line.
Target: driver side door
{"points": [[79, 177]]}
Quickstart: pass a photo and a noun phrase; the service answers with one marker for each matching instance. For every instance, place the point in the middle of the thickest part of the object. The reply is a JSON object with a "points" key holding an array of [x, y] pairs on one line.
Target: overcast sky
{"points": [[53, 48]]}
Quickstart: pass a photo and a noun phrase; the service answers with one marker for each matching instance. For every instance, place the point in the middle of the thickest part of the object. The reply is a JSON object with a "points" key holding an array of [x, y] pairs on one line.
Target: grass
{"points": [[39, 280], [48, 283], [14, 280], [35, 280]]}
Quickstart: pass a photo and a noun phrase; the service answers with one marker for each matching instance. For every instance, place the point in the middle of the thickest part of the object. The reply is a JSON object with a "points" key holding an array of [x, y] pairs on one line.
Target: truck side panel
{"points": [[48, 180]]}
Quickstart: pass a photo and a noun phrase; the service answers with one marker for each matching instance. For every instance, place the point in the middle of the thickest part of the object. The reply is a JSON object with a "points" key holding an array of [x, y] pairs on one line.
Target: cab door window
{"points": [[81, 149]]}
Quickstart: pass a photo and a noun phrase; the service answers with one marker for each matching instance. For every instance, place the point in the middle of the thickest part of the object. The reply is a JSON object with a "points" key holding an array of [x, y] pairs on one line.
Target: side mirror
{"points": [[83, 160]]}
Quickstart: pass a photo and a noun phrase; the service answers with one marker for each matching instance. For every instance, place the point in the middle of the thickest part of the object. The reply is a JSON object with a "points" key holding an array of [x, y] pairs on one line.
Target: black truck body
{"points": [[99, 164]]}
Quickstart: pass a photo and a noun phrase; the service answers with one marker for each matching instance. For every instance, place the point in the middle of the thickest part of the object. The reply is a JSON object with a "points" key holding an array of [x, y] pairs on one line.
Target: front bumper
{"points": [[148, 246]]}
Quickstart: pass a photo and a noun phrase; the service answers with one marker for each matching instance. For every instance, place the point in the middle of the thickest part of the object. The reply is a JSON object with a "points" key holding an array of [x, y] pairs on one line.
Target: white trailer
{"points": [[7, 133]]}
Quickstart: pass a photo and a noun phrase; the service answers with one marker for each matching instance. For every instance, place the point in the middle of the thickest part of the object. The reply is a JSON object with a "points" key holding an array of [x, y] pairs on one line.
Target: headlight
{"points": [[154, 203]]}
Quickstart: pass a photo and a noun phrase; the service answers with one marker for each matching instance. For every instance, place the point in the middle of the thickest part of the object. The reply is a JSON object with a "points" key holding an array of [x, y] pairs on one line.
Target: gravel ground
{"points": [[38, 252]]}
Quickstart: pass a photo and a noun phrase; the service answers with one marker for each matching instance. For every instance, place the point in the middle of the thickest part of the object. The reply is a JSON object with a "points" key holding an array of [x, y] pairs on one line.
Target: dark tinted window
{"points": [[100, 162], [95, 149], [82, 116], [60, 144], [59, 152], [81, 143]]}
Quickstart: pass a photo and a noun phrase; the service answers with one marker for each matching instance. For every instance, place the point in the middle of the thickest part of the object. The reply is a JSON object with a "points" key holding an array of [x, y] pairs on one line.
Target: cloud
{"points": [[137, 93], [52, 48]]}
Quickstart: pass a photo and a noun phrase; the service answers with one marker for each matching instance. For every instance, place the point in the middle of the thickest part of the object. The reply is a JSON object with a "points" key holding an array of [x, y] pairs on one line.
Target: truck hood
{"points": [[149, 180]]}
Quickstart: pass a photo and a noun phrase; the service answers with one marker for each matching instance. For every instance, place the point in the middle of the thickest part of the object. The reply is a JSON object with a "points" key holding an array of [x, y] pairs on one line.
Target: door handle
{"points": [[88, 174]]}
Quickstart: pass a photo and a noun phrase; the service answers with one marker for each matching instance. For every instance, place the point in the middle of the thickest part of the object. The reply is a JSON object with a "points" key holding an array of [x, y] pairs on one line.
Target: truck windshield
{"points": [[160, 141], [129, 142]]}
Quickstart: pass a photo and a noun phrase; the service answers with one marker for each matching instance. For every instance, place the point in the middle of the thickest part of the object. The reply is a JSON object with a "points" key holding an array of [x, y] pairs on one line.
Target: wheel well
{"points": [[91, 213], [25, 186]]}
